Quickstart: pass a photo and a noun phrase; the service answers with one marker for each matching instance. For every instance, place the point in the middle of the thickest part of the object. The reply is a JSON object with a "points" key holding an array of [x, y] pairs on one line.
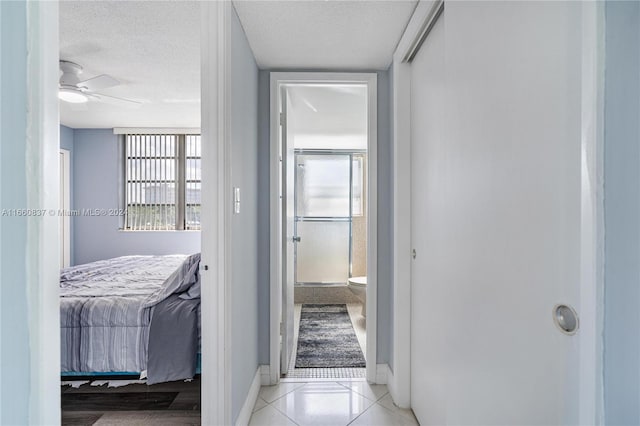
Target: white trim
{"points": [[412, 33], [382, 374], [276, 80], [216, 238], [250, 402], [265, 375], [42, 184], [591, 381], [65, 192], [400, 378], [156, 131]]}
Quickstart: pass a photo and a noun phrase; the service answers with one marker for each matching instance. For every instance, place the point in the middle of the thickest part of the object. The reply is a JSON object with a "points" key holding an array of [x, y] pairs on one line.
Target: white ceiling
{"points": [[328, 116], [334, 34], [153, 49]]}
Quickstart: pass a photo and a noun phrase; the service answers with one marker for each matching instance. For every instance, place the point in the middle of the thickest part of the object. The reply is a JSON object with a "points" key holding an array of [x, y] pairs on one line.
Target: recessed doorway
{"points": [[323, 229]]}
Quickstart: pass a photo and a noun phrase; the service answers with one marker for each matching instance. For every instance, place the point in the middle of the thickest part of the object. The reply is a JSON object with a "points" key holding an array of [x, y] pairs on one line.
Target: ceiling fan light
{"points": [[72, 96]]}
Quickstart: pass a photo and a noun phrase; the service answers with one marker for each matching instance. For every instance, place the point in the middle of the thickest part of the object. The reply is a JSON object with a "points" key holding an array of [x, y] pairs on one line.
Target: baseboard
{"points": [[394, 391], [250, 402], [265, 375], [382, 374]]}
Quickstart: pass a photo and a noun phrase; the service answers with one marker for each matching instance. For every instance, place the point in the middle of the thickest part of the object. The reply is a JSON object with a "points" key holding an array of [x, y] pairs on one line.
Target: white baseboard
{"points": [[250, 402], [382, 374], [265, 375], [393, 386]]}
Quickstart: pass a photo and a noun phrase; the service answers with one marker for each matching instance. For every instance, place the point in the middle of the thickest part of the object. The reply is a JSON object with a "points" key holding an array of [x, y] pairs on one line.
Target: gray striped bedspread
{"points": [[106, 308]]}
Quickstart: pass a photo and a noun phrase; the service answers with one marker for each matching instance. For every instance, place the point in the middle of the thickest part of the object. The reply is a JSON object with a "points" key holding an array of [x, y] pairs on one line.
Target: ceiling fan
{"points": [[76, 91]]}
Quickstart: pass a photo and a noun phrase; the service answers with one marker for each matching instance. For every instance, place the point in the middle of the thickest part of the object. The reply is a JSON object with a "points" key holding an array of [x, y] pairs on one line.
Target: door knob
{"points": [[566, 318], [296, 239]]}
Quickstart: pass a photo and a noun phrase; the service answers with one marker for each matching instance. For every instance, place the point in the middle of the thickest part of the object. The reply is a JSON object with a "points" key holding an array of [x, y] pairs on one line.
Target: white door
{"points": [[64, 207], [495, 144], [288, 164]]}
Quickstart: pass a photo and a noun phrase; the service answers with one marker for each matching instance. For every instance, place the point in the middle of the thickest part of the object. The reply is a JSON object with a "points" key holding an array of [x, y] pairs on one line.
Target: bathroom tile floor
{"points": [[359, 325], [339, 403]]}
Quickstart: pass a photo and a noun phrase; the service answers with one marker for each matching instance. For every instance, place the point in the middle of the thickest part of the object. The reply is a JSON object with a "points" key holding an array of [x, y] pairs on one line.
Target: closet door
{"points": [[427, 139], [496, 217]]}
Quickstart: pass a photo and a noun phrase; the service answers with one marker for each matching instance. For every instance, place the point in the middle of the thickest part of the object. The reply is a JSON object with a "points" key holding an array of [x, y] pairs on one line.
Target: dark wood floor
{"points": [[174, 403]]}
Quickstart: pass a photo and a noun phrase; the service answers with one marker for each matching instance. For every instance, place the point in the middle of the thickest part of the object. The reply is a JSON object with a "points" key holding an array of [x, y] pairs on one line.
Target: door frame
{"points": [[65, 192], [277, 81], [215, 264], [591, 399]]}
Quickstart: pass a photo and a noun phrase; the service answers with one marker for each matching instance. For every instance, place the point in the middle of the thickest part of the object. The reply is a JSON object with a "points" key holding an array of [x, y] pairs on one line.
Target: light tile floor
{"points": [[354, 402]]}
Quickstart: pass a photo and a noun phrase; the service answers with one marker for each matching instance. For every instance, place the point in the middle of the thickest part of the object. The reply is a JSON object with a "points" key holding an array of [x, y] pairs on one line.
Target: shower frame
{"points": [[351, 153]]}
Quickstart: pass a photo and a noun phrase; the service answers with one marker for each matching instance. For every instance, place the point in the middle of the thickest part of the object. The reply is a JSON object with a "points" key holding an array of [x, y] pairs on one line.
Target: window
{"points": [[162, 182]]}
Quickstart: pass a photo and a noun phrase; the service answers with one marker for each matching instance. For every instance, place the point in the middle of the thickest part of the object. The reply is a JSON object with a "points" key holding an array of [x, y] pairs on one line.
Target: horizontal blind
{"points": [[151, 163], [193, 183]]}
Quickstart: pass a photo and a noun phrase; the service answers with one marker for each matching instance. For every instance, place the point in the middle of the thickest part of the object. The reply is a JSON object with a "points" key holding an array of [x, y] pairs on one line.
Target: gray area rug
{"points": [[327, 338]]}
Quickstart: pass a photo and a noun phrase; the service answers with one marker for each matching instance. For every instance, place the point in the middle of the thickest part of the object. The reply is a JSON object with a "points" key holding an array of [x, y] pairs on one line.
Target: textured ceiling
{"points": [[152, 48], [328, 109], [334, 34], [328, 116]]}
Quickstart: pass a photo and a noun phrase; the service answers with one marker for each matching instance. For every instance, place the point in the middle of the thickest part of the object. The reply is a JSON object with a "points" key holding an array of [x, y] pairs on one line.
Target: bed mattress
{"points": [[107, 310]]}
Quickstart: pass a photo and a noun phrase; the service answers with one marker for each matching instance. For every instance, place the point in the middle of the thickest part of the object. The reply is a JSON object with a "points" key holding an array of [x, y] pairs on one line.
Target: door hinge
{"points": [[282, 329], [282, 119]]}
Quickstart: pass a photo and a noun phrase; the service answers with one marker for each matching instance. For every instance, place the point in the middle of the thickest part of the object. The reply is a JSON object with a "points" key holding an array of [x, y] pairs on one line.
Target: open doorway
{"points": [[130, 300], [325, 226]]}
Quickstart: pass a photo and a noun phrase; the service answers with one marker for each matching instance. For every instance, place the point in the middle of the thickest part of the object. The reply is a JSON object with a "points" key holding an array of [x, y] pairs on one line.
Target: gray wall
{"points": [[622, 214], [96, 186], [15, 362], [385, 204], [244, 252], [66, 142]]}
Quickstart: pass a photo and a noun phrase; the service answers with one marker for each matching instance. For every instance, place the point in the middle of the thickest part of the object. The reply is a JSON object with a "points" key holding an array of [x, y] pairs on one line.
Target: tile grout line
{"points": [[283, 413]]}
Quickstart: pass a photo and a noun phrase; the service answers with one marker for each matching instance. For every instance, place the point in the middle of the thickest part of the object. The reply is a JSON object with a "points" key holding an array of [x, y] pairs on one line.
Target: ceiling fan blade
{"points": [[117, 101], [98, 83]]}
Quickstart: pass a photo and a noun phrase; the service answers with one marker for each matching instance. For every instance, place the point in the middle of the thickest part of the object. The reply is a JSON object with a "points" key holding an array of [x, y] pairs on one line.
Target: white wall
{"points": [[96, 185], [244, 231]]}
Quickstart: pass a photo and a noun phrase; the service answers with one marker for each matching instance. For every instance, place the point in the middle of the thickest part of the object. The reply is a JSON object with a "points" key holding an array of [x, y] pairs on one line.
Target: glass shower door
{"points": [[322, 218]]}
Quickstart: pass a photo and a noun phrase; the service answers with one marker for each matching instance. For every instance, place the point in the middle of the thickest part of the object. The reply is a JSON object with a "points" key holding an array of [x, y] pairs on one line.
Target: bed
{"points": [[131, 314]]}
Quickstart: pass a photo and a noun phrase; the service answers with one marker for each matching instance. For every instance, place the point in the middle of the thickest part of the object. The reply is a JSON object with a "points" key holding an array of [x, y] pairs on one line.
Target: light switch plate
{"points": [[236, 200]]}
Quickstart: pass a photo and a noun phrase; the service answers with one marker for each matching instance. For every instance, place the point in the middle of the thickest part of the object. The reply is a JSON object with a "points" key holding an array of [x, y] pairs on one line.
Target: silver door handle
{"points": [[296, 239]]}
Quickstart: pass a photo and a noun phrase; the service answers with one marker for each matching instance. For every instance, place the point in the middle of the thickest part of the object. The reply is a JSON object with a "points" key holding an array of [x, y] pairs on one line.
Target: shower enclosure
{"points": [[329, 193]]}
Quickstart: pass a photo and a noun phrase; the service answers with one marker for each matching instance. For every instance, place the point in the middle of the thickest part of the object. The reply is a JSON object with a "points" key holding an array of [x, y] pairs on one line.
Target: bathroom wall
{"points": [[359, 235]]}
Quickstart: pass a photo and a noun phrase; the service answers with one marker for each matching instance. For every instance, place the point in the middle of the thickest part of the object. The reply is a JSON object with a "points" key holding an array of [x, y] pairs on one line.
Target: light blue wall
{"points": [[264, 241], [96, 186], [66, 142], [15, 368], [385, 204], [385, 217], [244, 255], [622, 214]]}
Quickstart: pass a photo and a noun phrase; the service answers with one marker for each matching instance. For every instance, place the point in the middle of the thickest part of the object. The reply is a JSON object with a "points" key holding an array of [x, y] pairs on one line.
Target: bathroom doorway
{"points": [[323, 227]]}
